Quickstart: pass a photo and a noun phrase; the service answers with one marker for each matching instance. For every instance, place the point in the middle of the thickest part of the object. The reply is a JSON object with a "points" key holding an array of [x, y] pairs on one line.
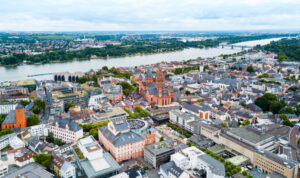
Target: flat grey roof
{"points": [[32, 170], [286, 163], [90, 172], [159, 147], [249, 134], [215, 166]]}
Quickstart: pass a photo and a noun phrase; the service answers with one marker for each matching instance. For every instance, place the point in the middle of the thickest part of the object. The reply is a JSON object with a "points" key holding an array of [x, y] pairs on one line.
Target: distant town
{"points": [[234, 115]]}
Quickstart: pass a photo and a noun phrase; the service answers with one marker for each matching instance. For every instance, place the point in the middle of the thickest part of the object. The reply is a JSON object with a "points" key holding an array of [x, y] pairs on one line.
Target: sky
{"points": [[148, 15]]}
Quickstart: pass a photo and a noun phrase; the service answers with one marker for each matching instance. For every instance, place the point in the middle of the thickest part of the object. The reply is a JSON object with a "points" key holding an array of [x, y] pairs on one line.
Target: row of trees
{"points": [[180, 130]]}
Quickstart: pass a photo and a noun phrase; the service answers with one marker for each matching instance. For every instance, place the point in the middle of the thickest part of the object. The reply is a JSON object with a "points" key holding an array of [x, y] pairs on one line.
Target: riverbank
{"points": [[22, 71]]}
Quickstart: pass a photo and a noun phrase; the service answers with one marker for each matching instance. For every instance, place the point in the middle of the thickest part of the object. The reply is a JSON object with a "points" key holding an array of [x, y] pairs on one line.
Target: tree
{"points": [[40, 103], [161, 138], [287, 110], [242, 103], [293, 88], [105, 68], [297, 109], [82, 79], [187, 92], [94, 78], [244, 173], [178, 71], [33, 120], [141, 112], [245, 122], [43, 159], [68, 106], [50, 138], [224, 124], [24, 102], [286, 120], [265, 101], [5, 132], [94, 133], [276, 106], [181, 88], [205, 67], [58, 142], [250, 69], [127, 88]]}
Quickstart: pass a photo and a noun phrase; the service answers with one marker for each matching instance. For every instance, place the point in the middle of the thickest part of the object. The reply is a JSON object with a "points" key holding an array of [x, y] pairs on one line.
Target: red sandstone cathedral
{"points": [[156, 93]]}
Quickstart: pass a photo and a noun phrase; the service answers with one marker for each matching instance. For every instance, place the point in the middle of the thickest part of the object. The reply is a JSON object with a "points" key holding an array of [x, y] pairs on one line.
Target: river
{"points": [[21, 72]]}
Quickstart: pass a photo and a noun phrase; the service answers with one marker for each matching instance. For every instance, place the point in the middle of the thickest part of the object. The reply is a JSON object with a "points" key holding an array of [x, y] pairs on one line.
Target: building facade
{"points": [[158, 153], [125, 140], [39, 130], [66, 129], [6, 107]]}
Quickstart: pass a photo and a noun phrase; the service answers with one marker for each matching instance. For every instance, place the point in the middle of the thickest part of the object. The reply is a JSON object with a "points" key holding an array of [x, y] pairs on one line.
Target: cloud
{"points": [[99, 15]]}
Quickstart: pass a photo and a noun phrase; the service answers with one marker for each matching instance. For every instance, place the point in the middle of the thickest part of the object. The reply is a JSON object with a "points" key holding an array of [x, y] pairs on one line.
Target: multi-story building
{"points": [[254, 137], [66, 129], [192, 162], [24, 157], [13, 90], [201, 111], [39, 130], [113, 92], [92, 160], [6, 107], [16, 118], [269, 162], [156, 93], [3, 168], [126, 139], [182, 119], [63, 168], [109, 113], [158, 153], [29, 170]]}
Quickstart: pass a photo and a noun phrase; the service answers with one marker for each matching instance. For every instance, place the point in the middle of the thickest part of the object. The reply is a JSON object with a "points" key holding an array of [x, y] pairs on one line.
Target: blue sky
{"points": [[119, 15]]}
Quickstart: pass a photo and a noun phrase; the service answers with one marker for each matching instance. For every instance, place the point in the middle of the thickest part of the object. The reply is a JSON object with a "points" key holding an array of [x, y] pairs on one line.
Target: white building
{"points": [[11, 140], [95, 100], [3, 168], [97, 162], [192, 158], [6, 107], [39, 130], [182, 119], [66, 129]]}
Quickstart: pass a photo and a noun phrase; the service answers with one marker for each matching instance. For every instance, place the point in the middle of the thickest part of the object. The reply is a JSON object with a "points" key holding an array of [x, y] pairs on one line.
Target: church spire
{"points": [[160, 79]]}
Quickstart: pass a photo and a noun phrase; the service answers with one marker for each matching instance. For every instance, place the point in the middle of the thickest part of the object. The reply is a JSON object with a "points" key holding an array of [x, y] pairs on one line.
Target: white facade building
{"points": [[6, 107], [39, 130], [3, 168], [11, 140], [193, 158]]}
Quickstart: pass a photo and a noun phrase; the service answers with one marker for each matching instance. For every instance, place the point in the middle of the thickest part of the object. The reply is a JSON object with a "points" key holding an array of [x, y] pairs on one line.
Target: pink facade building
{"points": [[66, 130], [126, 139]]}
